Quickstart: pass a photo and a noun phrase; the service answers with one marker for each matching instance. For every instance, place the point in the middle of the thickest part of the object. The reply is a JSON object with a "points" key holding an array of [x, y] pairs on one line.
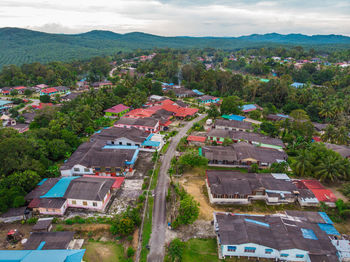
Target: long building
{"points": [[232, 187], [292, 236]]}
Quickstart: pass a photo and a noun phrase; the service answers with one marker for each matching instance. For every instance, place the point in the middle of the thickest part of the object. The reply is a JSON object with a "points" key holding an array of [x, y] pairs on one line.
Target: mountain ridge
{"points": [[19, 46]]}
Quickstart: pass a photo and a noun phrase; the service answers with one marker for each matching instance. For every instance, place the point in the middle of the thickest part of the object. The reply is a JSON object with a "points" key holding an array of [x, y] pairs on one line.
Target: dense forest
{"points": [[21, 46]]}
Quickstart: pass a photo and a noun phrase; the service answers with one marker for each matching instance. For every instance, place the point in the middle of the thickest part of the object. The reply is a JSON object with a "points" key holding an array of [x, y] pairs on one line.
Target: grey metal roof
{"points": [[42, 224], [281, 233], [53, 240], [113, 133], [146, 121], [89, 188], [234, 124], [42, 189]]}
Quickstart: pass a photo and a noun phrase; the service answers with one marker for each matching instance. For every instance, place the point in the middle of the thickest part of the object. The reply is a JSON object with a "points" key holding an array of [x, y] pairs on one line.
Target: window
{"points": [[108, 169], [137, 145], [128, 144], [249, 249], [85, 203], [97, 169], [299, 256], [76, 169], [94, 204], [86, 169], [284, 255], [231, 248], [268, 251], [112, 142], [120, 143], [74, 202]]}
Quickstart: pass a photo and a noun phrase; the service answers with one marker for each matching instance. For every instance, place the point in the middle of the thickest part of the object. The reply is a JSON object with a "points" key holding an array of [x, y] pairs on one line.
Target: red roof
{"points": [[167, 102], [321, 193], [117, 109], [317, 139], [42, 105], [34, 203], [196, 139], [49, 90], [118, 181], [140, 113], [180, 111], [5, 92], [20, 87]]}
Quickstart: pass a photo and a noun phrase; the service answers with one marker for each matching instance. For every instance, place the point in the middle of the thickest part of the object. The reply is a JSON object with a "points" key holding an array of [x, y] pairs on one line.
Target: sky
{"points": [[179, 17]]}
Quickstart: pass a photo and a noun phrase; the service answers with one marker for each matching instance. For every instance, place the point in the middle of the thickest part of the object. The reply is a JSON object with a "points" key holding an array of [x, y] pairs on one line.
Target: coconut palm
{"points": [[343, 136], [302, 165], [330, 169], [329, 134]]}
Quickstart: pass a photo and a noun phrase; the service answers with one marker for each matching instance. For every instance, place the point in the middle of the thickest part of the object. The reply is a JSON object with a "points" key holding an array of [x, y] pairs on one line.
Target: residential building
{"points": [[196, 140], [233, 125], [208, 99], [342, 150], [49, 240], [5, 105], [298, 85], [243, 154], [70, 96], [234, 117], [54, 196], [15, 214], [231, 187], [62, 255], [6, 90], [259, 140], [182, 92], [102, 84], [277, 117], [250, 107], [147, 124], [98, 158], [117, 111], [43, 225], [292, 236]]}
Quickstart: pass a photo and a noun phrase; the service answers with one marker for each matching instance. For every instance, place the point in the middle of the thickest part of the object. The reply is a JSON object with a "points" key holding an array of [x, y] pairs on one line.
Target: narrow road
{"points": [[159, 223]]}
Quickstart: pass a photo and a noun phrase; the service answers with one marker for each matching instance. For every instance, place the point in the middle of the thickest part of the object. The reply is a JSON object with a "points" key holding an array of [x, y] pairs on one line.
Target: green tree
{"points": [[45, 99], [329, 169], [188, 211], [230, 105], [213, 111], [175, 250], [302, 165]]}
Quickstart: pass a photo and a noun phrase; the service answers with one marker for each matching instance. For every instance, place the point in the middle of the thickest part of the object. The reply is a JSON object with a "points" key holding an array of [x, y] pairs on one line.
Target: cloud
{"points": [[180, 17]]}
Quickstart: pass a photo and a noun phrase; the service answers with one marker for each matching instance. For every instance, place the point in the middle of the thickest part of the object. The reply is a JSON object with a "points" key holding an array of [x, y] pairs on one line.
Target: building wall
{"points": [[89, 204], [145, 128], [79, 170], [260, 252], [53, 211], [231, 128], [125, 142]]}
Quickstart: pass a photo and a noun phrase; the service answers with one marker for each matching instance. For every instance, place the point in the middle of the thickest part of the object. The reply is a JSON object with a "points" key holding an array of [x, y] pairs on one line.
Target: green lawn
{"points": [[104, 252], [147, 230], [204, 250]]}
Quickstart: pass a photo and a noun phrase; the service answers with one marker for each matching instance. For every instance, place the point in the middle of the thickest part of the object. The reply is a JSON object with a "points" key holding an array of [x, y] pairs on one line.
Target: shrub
{"points": [[32, 220], [59, 228], [130, 252], [175, 249], [69, 222]]}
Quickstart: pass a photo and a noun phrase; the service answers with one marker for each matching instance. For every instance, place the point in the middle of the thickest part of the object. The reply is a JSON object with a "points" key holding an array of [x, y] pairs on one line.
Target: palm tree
{"points": [[329, 134], [342, 136], [330, 169], [302, 165], [327, 111]]}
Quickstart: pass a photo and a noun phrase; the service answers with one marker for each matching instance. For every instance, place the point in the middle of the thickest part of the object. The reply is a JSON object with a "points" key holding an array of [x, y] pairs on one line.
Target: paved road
{"points": [[159, 222]]}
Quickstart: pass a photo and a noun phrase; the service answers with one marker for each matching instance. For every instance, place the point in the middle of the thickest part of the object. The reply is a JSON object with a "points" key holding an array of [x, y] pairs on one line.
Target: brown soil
{"points": [[135, 239], [25, 229], [337, 193]]}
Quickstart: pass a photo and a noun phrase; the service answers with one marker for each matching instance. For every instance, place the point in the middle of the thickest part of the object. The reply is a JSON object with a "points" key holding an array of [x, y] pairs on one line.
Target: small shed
{"points": [[43, 225], [15, 214]]}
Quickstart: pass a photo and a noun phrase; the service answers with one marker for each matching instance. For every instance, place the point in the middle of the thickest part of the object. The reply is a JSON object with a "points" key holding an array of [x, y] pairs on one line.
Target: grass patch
{"points": [[104, 252], [204, 250], [155, 177], [165, 148], [147, 230]]}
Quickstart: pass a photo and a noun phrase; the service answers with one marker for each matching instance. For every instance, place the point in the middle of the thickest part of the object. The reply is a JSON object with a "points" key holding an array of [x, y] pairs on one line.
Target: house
{"points": [[289, 236], [62, 255], [298, 85], [306, 197], [234, 117], [147, 124], [98, 158], [70, 96], [102, 84], [6, 90], [62, 90], [242, 154], [154, 142], [250, 107], [121, 136], [277, 117], [208, 99], [49, 91], [342, 150], [182, 92], [231, 187], [49, 240], [224, 124], [196, 140], [5, 105], [117, 111], [181, 103], [15, 214], [259, 140], [42, 105], [198, 92], [54, 196], [319, 127], [28, 117], [43, 225], [20, 89], [91, 193], [322, 194]]}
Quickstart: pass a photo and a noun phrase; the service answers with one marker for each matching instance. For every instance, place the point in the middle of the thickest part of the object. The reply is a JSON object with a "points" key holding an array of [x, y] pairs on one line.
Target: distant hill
{"points": [[19, 46]]}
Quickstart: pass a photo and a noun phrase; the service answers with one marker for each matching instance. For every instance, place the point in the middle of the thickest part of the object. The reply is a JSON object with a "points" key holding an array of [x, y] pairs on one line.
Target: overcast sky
{"points": [[180, 17]]}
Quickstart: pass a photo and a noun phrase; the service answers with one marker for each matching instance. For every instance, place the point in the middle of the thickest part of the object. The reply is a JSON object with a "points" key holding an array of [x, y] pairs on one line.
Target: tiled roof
{"points": [[117, 109], [196, 138]]}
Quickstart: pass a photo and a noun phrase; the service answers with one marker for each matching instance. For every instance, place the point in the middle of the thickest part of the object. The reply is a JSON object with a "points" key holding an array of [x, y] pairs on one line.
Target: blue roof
{"points": [[41, 182], [134, 157], [59, 189], [329, 229], [63, 255], [281, 115], [308, 233], [4, 102], [256, 222], [148, 142], [297, 84], [248, 107], [234, 117], [120, 147], [42, 244], [198, 92], [326, 218]]}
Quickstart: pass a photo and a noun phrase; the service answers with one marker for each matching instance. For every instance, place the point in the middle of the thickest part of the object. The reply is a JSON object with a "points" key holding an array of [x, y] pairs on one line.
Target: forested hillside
{"points": [[20, 46]]}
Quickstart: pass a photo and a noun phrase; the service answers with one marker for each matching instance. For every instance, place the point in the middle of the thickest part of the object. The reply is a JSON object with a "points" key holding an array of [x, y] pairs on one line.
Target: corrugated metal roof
{"points": [[59, 189], [329, 229], [257, 222], [308, 233]]}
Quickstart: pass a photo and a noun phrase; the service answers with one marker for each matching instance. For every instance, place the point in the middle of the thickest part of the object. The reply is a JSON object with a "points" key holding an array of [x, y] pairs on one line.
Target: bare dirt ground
{"points": [[143, 164], [25, 229], [199, 229], [337, 193]]}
